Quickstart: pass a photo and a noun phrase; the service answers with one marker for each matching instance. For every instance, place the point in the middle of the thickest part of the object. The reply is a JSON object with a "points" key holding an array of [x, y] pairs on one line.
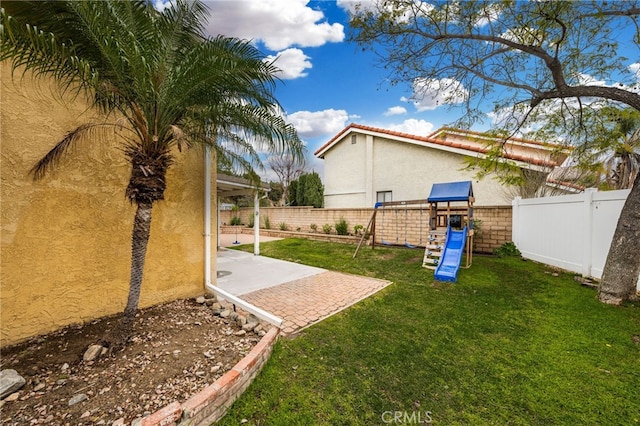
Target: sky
{"points": [[326, 81]]}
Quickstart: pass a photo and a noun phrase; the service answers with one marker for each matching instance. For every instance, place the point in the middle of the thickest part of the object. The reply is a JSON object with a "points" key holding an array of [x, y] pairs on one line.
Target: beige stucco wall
{"points": [[346, 184], [65, 241], [407, 170]]}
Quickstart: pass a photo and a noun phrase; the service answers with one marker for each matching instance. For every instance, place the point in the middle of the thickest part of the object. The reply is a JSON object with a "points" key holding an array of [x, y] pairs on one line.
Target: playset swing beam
{"points": [[396, 205]]}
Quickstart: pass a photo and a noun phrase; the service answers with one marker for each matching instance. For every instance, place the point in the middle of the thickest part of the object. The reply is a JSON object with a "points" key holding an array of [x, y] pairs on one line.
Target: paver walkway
{"points": [[306, 301]]}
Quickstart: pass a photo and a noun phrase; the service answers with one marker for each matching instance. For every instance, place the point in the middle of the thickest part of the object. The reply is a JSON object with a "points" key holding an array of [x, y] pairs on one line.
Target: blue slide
{"points": [[449, 264]]}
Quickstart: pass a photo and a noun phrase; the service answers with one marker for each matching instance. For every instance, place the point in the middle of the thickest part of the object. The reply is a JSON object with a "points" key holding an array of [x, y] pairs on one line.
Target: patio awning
{"points": [[230, 186]]}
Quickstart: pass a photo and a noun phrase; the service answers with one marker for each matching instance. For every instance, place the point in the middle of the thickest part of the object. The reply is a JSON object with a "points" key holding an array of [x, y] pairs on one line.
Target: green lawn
{"points": [[508, 344]]}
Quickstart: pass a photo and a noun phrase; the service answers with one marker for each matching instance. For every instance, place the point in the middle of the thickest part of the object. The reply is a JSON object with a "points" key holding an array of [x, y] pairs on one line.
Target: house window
{"points": [[353, 139], [383, 196]]}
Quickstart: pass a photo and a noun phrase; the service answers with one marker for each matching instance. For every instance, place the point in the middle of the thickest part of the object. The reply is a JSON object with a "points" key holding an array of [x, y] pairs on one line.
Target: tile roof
{"points": [[432, 139]]}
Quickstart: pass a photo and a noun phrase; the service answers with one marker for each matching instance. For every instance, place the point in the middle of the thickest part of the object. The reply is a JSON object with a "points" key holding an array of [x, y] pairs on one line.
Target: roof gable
{"points": [[463, 142]]}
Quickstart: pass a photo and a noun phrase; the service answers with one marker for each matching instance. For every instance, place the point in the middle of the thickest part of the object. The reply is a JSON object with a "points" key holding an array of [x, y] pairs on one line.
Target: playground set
{"points": [[445, 234]]}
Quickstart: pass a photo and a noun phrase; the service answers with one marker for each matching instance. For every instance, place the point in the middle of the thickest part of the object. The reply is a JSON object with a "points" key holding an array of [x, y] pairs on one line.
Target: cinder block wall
{"points": [[399, 226], [494, 228]]}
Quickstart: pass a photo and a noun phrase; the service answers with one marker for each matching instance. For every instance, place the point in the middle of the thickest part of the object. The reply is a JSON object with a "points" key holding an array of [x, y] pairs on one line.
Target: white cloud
{"points": [[491, 13], [413, 127], [161, 5], [506, 117], [635, 69], [587, 80], [292, 63], [353, 6], [401, 14], [318, 123], [395, 110], [429, 94], [280, 24]]}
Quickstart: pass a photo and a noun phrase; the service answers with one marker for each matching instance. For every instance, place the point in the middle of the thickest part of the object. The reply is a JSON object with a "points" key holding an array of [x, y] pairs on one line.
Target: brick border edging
{"points": [[211, 404]]}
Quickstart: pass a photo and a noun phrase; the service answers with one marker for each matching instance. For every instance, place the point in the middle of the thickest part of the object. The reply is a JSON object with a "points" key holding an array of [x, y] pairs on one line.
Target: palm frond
{"points": [[158, 70], [234, 160], [43, 53], [53, 157]]}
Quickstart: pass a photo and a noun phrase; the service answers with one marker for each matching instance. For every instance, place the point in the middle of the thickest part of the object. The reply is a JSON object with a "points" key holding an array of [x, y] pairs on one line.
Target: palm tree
{"points": [[622, 163], [173, 87]]}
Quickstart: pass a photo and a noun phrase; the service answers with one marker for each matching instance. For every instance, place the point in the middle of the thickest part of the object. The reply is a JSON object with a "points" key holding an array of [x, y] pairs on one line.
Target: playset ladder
{"points": [[433, 249]]}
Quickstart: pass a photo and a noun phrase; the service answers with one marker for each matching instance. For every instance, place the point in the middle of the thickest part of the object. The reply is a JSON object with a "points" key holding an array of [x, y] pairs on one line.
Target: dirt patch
{"points": [[178, 349]]}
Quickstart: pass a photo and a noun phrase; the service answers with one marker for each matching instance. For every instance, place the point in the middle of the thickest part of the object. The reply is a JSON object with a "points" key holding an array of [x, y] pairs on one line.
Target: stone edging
{"points": [[210, 404]]}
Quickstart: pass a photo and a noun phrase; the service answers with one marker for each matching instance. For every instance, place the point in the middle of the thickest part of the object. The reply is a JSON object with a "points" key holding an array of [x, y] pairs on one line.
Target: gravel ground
{"points": [[177, 349]]}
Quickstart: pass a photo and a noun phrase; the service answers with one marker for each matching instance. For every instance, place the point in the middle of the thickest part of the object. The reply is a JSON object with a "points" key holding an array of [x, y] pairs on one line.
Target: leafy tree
{"points": [[533, 60], [314, 191], [276, 193], [309, 191], [300, 190], [287, 168], [174, 87], [293, 192], [622, 160]]}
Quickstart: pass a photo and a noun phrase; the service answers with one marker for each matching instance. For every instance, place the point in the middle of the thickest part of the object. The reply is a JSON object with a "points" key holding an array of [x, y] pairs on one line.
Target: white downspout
{"points": [[207, 216], [256, 223]]}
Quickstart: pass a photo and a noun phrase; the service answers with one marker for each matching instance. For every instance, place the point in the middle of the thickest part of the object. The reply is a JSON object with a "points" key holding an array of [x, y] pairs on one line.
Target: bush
{"points": [[507, 249], [326, 228], [235, 221], [252, 221], [283, 226], [477, 227], [314, 227], [267, 223], [342, 227], [357, 230]]}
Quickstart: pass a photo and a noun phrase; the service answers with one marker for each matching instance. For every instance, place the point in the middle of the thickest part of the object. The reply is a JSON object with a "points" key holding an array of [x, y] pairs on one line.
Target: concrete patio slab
{"points": [[299, 294], [241, 273]]}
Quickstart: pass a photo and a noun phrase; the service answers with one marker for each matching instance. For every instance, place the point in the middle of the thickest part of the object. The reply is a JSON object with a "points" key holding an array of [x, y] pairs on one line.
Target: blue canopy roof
{"points": [[451, 191]]}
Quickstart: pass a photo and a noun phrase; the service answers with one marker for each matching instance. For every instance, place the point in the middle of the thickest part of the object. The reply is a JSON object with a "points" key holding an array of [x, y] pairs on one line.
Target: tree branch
{"points": [[605, 92]]}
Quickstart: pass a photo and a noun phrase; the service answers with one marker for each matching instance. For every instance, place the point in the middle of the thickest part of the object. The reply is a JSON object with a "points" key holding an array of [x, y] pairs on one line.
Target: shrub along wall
{"points": [[394, 226]]}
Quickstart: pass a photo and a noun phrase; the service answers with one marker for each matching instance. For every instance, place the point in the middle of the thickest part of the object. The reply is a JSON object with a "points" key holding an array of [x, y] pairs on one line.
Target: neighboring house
{"points": [[365, 165]]}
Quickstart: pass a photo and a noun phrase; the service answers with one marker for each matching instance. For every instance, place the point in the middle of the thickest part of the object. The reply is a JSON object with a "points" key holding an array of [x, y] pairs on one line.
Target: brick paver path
{"points": [[306, 301]]}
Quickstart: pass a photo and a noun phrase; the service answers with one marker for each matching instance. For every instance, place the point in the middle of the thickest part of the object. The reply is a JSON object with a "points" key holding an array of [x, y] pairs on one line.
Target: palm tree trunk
{"points": [[622, 269], [139, 240]]}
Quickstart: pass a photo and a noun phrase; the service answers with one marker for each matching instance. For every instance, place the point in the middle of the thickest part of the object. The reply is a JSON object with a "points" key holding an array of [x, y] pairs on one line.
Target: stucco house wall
{"points": [[418, 168], [66, 240], [346, 185], [361, 161]]}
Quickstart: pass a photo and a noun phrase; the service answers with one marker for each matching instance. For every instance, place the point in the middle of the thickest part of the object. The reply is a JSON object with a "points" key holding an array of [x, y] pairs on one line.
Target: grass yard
{"points": [[510, 343]]}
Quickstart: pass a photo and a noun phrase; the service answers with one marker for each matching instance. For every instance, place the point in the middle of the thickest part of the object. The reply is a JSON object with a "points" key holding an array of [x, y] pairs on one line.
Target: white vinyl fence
{"points": [[572, 232]]}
